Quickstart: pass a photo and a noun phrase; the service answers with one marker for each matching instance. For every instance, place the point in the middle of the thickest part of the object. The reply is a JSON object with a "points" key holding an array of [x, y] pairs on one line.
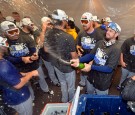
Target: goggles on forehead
{"points": [[13, 31], [113, 26], [84, 22]]}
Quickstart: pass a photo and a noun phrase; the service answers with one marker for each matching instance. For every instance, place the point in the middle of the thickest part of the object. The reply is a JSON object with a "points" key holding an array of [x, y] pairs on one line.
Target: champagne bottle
{"points": [[80, 66]]}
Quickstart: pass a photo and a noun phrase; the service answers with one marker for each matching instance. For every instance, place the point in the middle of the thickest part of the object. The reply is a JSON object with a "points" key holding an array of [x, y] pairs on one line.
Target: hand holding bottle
{"points": [[74, 62], [34, 57], [80, 52], [83, 66], [87, 67]]}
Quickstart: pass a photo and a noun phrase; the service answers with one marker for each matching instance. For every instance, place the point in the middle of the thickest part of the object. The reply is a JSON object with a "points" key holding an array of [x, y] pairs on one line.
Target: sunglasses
{"points": [[84, 22], [13, 32]]}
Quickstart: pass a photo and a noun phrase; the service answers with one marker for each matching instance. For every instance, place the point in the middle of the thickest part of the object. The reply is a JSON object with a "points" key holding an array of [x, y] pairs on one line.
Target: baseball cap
{"points": [[46, 19], [95, 19], [7, 25], [26, 21], [107, 19], [86, 16], [115, 27], [3, 42], [59, 15]]}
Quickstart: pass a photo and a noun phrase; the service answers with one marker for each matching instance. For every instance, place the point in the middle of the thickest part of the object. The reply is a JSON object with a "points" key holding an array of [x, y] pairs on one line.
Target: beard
{"points": [[4, 50], [94, 25], [107, 39], [30, 29]]}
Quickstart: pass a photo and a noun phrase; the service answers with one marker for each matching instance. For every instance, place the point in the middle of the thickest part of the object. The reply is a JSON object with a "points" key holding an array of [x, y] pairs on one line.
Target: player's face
{"points": [[110, 34]]}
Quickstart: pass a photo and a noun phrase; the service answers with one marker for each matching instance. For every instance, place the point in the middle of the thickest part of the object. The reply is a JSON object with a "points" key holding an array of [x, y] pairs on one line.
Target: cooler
{"points": [[62, 108]]}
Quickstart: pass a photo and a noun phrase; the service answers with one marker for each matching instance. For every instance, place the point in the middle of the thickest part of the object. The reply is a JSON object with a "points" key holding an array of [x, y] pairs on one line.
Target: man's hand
{"points": [[123, 64], [34, 57], [91, 62], [34, 73], [44, 26], [74, 62], [23, 74], [133, 77], [26, 60], [79, 50], [87, 67]]}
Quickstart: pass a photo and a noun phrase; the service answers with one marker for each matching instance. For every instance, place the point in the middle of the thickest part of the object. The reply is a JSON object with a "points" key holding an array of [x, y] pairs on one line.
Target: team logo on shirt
{"points": [[19, 50], [132, 50], [88, 43], [100, 57]]}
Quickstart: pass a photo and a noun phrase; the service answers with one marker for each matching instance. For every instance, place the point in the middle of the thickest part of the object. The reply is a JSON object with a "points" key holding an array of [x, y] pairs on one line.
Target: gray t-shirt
{"points": [[88, 40], [23, 46], [128, 50], [104, 56], [61, 44]]}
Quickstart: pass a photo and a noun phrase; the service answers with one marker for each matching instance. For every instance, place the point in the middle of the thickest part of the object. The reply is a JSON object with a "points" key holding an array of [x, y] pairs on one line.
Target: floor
{"points": [[43, 98]]}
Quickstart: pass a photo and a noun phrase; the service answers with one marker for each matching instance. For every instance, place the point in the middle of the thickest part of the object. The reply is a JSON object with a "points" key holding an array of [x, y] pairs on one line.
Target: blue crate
{"points": [[102, 105]]}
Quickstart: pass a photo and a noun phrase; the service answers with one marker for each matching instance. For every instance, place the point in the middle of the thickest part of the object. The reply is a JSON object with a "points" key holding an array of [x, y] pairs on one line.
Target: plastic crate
{"points": [[102, 105]]}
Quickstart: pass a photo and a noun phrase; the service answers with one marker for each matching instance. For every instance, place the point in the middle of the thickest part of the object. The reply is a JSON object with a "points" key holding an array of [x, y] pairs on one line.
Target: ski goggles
{"points": [[84, 22], [12, 32]]}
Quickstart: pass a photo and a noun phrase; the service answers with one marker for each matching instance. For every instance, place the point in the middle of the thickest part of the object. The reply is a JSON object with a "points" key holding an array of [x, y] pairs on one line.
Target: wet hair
{"points": [[117, 38], [16, 13], [57, 22], [49, 16], [71, 24]]}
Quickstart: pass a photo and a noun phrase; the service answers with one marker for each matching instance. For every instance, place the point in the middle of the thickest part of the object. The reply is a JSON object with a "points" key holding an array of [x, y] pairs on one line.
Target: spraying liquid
{"points": [[57, 57], [81, 65]]}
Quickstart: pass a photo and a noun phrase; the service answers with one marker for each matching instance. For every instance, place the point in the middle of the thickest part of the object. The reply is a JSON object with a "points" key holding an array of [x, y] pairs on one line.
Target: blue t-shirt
{"points": [[11, 76]]}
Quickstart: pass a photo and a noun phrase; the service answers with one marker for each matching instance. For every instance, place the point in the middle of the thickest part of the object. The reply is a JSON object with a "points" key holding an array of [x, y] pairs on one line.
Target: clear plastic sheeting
{"points": [[33, 8], [120, 11]]}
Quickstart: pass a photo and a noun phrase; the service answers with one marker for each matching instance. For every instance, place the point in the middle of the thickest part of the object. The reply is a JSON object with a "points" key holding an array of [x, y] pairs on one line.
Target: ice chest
{"points": [[51, 108], [62, 108], [102, 105]]}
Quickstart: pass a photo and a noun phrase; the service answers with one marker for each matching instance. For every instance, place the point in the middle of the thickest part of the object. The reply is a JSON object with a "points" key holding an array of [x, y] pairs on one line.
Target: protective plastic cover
{"points": [[120, 11]]}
